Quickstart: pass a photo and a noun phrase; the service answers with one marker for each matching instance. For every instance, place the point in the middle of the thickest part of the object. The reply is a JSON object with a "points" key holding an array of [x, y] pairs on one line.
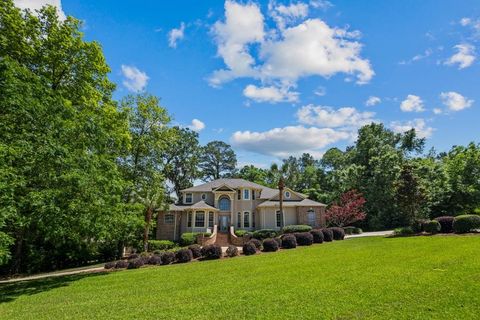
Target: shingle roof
{"points": [[199, 205], [266, 192], [302, 203]]}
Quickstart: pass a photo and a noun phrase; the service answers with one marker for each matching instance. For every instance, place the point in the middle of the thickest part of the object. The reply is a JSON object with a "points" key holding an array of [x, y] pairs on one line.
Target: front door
{"points": [[223, 222]]}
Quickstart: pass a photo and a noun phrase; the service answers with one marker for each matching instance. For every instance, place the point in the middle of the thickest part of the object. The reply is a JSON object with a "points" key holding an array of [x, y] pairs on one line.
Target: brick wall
{"points": [[319, 216], [167, 231]]}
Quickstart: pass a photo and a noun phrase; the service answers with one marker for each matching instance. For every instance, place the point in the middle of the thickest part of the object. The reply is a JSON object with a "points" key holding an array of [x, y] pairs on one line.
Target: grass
{"points": [[365, 278]]}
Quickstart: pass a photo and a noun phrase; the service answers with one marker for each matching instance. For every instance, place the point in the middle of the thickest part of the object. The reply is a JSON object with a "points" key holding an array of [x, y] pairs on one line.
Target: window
{"points": [[169, 219], [210, 219], [246, 194], [189, 220], [239, 194], [204, 196], [253, 219], [287, 195], [246, 219], [253, 194], [279, 219], [199, 219], [188, 198], [224, 204], [239, 220], [311, 217]]}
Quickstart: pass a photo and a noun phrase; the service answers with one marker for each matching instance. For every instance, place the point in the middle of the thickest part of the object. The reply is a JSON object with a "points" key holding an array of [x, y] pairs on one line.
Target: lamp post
{"points": [[281, 186]]}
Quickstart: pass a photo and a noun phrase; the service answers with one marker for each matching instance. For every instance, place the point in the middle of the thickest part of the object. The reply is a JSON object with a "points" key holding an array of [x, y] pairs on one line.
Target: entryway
{"points": [[223, 223]]}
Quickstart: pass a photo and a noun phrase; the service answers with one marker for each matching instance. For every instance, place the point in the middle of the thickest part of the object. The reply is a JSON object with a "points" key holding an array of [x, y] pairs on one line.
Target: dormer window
{"points": [[188, 197], [287, 194], [246, 194]]}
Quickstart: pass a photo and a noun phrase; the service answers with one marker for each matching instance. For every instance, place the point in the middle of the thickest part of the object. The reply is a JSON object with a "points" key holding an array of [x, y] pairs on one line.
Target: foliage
{"points": [[409, 196], [168, 257], [155, 260], [265, 233], [189, 238], [256, 243], [338, 233], [184, 255], [232, 251], [466, 223], [217, 160], [296, 228], [432, 226], [278, 240], [349, 210], [135, 263], [270, 245], [212, 251], [317, 236], [196, 250], [249, 248], [357, 230], [403, 231], [121, 264], [304, 238], [446, 224], [289, 241], [348, 230], [110, 265], [241, 232], [161, 245], [327, 234]]}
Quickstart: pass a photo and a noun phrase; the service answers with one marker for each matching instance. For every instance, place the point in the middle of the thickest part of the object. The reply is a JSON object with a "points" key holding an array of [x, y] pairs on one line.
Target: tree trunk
{"points": [[148, 220], [17, 257]]}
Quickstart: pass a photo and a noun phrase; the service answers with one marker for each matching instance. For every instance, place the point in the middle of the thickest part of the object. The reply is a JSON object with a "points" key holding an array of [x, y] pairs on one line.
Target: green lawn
{"points": [[366, 278]]}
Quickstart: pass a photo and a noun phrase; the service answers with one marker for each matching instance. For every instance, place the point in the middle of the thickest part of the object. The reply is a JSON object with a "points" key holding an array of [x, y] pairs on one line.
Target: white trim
{"points": [[243, 194]]}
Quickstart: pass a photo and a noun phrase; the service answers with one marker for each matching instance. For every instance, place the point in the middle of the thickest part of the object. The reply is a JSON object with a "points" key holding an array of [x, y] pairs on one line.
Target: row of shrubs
{"points": [[445, 224], [213, 251], [271, 233]]}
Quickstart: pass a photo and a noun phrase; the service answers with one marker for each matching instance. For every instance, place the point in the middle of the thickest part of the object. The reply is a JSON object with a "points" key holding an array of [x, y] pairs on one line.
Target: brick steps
{"points": [[222, 239]]}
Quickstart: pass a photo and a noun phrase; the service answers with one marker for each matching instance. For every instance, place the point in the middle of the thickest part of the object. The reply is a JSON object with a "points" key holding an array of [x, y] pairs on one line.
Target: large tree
{"points": [[217, 160]]}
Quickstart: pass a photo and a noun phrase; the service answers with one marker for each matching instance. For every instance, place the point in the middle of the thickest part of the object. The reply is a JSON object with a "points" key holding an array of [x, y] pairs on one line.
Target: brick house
{"points": [[224, 205]]}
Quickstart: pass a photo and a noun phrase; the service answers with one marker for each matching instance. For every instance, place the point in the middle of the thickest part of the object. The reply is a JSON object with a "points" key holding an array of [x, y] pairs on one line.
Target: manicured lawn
{"points": [[366, 278]]}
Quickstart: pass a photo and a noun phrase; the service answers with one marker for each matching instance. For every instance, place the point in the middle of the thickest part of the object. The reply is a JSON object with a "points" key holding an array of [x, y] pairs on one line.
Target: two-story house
{"points": [[236, 203]]}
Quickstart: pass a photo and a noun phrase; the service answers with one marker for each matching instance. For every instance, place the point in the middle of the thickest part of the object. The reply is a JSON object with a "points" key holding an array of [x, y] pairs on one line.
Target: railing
{"points": [[237, 241], [203, 241]]}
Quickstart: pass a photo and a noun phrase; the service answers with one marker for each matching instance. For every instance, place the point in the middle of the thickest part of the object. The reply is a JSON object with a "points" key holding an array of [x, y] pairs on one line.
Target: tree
{"points": [[217, 160], [410, 198], [349, 210], [252, 173], [181, 159]]}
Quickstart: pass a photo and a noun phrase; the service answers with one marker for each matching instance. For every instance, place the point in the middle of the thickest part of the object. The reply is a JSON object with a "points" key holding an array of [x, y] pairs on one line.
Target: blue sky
{"points": [[278, 78]]}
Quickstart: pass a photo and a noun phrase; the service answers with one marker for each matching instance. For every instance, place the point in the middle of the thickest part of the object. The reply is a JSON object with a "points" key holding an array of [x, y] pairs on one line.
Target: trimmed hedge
{"points": [[294, 228], [264, 234], [240, 233], [403, 231], [348, 230], [121, 264], [304, 238], [357, 231], [446, 224], [232, 251], [466, 223], [184, 255], [135, 263], [289, 241], [417, 225], [317, 236], [278, 240], [110, 265], [160, 245], [256, 243], [432, 226], [212, 251], [155, 260], [189, 238], [196, 250], [327, 234], [249, 249], [338, 233], [270, 245], [168, 257]]}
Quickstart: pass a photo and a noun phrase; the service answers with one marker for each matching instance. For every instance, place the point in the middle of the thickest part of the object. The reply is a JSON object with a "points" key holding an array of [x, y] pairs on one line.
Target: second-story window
{"points": [[246, 194], [204, 196], [224, 204], [253, 194], [239, 194], [188, 197]]}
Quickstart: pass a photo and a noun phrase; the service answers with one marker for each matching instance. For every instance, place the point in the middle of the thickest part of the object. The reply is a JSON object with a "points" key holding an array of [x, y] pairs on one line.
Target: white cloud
{"points": [[286, 15], [464, 57], [320, 91], [465, 21], [38, 4], [291, 140], [437, 111], [455, 101], [420, 126], [372, 100], [196, 125], [135, 80], [305, 49], [270, 94], [328, 117], [175, 35], [321, 4], [412, 103], [427, 53]]}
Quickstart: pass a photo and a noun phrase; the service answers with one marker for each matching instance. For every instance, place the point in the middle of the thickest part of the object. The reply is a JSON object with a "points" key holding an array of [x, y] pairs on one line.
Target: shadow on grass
{"points": [[12, 291]]}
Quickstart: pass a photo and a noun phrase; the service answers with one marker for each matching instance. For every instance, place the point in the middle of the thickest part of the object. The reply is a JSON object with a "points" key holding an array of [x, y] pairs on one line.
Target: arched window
{"points": [[224, 204]]}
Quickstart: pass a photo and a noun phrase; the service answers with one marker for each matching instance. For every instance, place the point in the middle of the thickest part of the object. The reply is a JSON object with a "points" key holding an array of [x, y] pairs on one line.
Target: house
{"points": [[225, 205]]}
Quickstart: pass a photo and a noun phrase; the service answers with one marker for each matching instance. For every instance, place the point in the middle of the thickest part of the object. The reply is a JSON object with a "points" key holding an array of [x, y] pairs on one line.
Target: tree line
{"points": [[82, 175]]}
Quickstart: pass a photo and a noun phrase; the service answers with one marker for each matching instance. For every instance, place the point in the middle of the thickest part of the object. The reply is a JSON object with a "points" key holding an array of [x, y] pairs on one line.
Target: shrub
{"points": [[338, 233], [212, 251], [417, 225], [289, 241], [110, 265], [270, 245], [303, 238], [184, 255], [168, 257], [155, 260], [357, 231], [249, 248], [135, 263], [232, 251], [296, 228], [256, 243], [327, 234], [466, 223], [189, 238], [264, 234], [278, 240], [160, 245], [317, 236], [196, 250], [446, 224], [133, 256], [404, 231], [121, 264], [348, 230], [240, 233], [432, 226]]}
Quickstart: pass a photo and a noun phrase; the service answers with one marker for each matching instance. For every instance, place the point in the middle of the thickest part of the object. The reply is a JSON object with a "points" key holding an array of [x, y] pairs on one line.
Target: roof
{"points": [[199, 205], [266, 192], [302, 203]]}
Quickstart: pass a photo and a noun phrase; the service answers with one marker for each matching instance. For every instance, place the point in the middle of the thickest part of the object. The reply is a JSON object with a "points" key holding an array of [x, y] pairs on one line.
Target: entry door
{"points": [[223, 222]]}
